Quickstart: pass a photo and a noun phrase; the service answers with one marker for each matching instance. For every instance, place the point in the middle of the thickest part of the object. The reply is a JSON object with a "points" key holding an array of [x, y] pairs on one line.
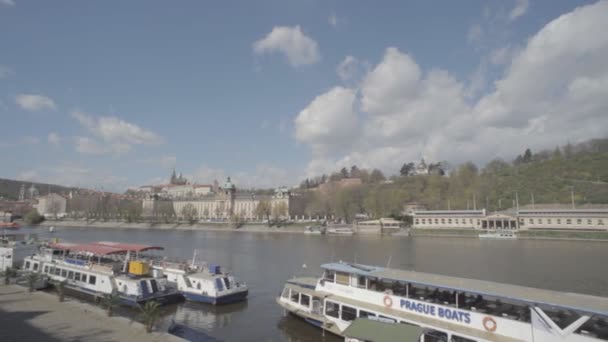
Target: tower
{"points": [[22, 193], [230, 191], [173, 177]]}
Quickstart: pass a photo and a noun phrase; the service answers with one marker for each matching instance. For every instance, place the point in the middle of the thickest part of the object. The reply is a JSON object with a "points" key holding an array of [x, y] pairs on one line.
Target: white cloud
{"points": [[521, 6], [329, 121], [112, 129], [5, 71], [333, 20], [33, 102], [351, 68], [116, 135], [87, 145], [503, 55], [299, 48], [165, 161], [53, 138], [554, 90], [8, 2], [475, 33]]}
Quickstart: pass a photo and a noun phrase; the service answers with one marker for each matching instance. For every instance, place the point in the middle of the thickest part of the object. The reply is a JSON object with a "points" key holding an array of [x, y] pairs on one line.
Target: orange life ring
{"points": [[489, 324], [388, 302]]}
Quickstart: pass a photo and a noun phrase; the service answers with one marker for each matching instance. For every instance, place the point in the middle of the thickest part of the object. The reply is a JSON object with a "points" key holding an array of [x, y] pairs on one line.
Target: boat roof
{"points": [[534, 296], [102, 247], [373, 330]]}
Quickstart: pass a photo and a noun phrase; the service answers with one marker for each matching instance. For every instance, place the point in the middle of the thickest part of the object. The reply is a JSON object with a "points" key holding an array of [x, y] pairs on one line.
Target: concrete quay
{"points": [[40, 317]]}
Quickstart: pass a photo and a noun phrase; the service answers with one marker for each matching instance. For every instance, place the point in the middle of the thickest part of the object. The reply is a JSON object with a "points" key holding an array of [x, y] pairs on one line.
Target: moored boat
{"points": [[202, 282], [9, 225], [340, 230], [447, 308], [101, 268]]}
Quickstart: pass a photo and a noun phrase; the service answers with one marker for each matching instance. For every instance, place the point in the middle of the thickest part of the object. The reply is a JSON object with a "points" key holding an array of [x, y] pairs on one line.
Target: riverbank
{"points": [[207, 226], [39, 316], [524, 234]]}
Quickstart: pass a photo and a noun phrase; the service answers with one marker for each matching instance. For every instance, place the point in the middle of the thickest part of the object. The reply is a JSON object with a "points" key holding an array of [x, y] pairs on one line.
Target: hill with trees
{"points": [[9, 189], [548, 176]]}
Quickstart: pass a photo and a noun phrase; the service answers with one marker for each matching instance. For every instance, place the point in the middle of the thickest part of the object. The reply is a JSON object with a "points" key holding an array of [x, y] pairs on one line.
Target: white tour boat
{"points": [[201, 282], [14, 248], [100, 268], [501, 235], [339, 230], [446, 308]]}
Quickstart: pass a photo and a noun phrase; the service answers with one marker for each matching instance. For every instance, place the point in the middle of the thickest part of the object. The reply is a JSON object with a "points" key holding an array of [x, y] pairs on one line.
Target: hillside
{"points": [[545, 176], [9, 189]]}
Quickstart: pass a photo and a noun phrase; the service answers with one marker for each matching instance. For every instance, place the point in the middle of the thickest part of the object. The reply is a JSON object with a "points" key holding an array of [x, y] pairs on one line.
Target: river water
{"points": [[265, 260]]}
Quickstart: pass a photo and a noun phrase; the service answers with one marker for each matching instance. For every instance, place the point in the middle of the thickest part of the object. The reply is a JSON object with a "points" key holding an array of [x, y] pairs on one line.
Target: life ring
{"points": [[489, 324], [388, 302]]}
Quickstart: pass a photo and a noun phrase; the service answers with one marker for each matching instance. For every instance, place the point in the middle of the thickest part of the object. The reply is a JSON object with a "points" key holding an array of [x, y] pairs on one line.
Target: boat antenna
{"points": [[388, 264]]}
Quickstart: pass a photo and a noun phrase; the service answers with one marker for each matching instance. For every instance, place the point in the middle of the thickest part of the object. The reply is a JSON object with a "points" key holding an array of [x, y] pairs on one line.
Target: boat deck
{"points": [[533, 296]]}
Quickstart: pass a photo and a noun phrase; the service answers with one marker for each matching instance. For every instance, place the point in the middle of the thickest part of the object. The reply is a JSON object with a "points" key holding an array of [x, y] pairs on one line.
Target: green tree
{"points": [[150, 312], [32, 217], [407, 169], [32, 278], [527, 156], [189, 213], [8, 273], [109, 301], [376, 176], [60, 289]]}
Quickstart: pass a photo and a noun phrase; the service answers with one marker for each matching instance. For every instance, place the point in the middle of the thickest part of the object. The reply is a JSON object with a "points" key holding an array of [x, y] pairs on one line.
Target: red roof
{"points": [[103, 247]]}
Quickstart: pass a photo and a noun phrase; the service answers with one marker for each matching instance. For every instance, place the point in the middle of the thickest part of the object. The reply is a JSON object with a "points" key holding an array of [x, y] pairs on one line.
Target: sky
{"points": [[115, 94]]}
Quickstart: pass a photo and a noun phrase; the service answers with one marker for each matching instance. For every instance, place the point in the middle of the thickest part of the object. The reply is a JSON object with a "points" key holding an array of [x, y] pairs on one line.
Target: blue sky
{"points": [[116, 93]]}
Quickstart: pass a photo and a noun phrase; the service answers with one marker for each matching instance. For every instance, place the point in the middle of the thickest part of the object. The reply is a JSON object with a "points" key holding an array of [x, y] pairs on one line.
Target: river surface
{"points": [[265, 260]]}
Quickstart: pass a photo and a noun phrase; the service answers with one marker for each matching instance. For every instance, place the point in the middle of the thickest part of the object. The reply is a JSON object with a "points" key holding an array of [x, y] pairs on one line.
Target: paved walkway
{"points": [[41, 317]]}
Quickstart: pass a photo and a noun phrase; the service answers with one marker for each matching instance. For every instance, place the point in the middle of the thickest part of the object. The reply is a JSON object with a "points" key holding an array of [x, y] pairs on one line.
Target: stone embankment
{"points": [[39, 316]]}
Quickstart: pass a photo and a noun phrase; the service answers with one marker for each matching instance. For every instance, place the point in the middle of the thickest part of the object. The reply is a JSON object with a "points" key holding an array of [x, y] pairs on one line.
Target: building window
{"points": [[600, 222], [423, 221], [559, 221], [450, 221], [540, 221], [589, 221], [436, 221], [417, 221], [531, 221], [568, 221], [471, 221], [579, 221], [442, 221], [549, 221]]}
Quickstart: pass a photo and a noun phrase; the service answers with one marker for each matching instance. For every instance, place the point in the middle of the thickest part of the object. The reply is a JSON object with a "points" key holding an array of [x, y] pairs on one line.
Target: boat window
{"points": [[35, 266], [362, 283], [304, 300], [329, 276], [332, 309], [46, 269], [456, 338], [435, 336], [285, 293], [57, 271], [84, 278], [295, 296], [64, 273], [348, 313], [408, 323], [198, 286], [92, 280], [71, 275], [342, 278], [363, 313], [77, 276]]}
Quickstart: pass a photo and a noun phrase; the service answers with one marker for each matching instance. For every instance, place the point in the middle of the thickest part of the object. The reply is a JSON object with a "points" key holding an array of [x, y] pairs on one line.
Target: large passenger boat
{"points": [[447, 308], [100, 268]]}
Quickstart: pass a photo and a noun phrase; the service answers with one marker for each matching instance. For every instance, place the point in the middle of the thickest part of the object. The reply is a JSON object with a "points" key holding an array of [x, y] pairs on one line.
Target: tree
{"points": [[376, 176], [8, 273], [407, 169], [263, 209], [109, 301], [557, 153], [354, 172], [132, 211], [279, 211], [60, 288], [527, 156], [206, 213], [189, 213], [150, 312], [344, 172], [32, 278], [32, 217]]}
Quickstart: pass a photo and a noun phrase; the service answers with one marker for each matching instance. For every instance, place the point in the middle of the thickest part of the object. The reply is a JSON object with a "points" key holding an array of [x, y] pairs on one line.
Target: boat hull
{"points": [[165, 298], [226, 299]]}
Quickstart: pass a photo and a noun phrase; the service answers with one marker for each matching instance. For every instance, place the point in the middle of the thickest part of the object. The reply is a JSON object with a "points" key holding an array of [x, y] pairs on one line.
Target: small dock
{"points": [[39, 316]]}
